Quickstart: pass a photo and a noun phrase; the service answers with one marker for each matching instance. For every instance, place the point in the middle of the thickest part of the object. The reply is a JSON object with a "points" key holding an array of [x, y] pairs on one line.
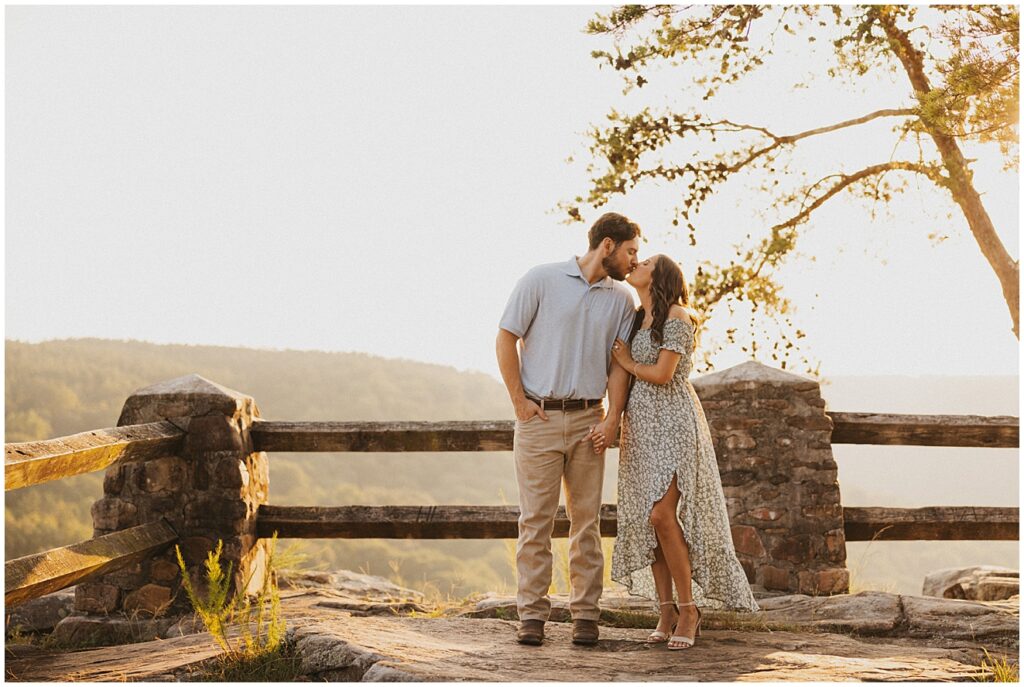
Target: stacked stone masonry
{"points": [[773, 443], [208, 493]]}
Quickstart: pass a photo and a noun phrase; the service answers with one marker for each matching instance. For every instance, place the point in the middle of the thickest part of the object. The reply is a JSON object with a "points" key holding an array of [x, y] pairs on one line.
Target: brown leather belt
{"points": [[566, 403]]}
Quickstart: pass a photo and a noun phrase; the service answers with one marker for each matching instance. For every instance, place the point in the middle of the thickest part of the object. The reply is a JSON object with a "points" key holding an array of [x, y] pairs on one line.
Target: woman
{"points": [[673, 526]]}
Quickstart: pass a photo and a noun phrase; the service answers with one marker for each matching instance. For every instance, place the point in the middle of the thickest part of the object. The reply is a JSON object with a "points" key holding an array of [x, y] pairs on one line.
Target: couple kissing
{"points": [[570, 333]]}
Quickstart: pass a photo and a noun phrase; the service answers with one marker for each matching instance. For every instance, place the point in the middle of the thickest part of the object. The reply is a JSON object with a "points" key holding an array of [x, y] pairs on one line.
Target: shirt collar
{"points": [[572, 268]]}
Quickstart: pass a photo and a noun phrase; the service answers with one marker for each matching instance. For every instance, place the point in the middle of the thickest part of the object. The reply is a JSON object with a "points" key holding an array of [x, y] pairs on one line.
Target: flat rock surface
{"points": [[337, 644], [868, 613], [456, 649]]}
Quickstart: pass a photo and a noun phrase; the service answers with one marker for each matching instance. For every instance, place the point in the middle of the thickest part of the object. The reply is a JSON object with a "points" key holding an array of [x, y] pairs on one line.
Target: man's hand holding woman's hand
{"points": [[603, 433]]}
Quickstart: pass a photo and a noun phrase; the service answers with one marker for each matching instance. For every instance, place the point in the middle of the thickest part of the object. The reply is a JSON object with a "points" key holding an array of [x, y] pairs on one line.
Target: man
{"points": [[568, 315]]}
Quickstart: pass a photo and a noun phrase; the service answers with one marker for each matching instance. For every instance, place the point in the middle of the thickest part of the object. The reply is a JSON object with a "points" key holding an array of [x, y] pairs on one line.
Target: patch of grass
{"points": [[505, 614], [857, 570], [17, 635], [998, 669], [281, 664], [751, 622], [629, 619]]}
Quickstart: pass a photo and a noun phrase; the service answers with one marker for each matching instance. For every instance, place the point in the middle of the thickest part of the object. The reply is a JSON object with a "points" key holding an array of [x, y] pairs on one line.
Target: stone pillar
{"points": [[773, 443], [209, 491]]}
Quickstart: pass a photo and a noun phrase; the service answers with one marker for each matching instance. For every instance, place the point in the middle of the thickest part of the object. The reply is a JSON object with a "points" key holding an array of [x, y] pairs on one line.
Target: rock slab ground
{"points": [[337, 641]]}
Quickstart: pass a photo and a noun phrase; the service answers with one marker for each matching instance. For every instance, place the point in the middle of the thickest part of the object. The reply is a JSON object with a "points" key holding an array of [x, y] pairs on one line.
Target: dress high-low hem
{"points": [[664, 435]]}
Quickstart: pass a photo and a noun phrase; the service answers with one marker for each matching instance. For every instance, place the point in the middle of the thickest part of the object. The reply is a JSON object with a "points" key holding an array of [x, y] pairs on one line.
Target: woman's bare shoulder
{"points": [[683, 313]]}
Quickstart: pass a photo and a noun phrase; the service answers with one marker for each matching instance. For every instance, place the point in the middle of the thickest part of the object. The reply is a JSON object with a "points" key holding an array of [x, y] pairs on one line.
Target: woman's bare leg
{"points": [[676, 554], [663, 585]]}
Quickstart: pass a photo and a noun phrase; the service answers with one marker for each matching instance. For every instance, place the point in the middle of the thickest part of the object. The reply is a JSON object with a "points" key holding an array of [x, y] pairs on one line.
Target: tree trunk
{"points": [[960, 178]]}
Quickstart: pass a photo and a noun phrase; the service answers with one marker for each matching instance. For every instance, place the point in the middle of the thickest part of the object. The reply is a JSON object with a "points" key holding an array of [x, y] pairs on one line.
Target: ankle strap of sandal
{"points": [[687, 603], [667, 603]]}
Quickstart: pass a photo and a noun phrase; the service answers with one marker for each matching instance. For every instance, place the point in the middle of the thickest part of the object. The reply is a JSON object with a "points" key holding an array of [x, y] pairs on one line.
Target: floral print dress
{"points": [[665, 435]]}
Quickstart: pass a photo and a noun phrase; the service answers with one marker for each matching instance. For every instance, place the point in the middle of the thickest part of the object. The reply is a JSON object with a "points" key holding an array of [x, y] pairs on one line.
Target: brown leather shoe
{"points": [[585, 632], [531, 632]]}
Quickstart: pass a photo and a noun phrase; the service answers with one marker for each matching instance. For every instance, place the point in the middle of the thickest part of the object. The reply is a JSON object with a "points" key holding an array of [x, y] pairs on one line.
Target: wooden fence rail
{"points": [[951, 523], [33, 576], [35, 462], [500, 522], [977, 431], [849, 428]]}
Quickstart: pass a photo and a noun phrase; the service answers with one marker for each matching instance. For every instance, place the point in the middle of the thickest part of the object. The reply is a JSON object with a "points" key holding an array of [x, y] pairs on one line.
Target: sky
{"points": [[375, 179]]}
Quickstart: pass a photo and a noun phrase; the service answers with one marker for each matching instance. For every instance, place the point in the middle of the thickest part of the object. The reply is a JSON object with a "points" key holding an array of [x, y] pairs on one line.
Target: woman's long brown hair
{"points": [[668, 288]]}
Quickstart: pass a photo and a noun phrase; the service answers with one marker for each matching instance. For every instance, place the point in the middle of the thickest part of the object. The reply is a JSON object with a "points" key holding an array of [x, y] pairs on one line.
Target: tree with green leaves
{"points": [[962, 75]]}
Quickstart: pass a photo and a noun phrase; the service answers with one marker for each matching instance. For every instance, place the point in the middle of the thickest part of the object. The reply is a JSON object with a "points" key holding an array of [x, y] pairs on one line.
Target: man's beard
{"points": [[612, 268]]}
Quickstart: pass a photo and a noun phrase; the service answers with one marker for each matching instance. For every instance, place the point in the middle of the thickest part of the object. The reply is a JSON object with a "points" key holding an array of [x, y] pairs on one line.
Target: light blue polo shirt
{"points": [[568, 327]]}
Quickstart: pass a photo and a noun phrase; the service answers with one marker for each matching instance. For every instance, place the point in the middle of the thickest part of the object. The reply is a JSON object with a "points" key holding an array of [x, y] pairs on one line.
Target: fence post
{"points": [[210, 491], [773, 443]]}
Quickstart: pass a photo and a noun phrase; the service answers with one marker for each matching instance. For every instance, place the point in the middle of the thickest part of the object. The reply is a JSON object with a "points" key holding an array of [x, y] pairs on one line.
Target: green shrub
{"points": [[259, 622]]}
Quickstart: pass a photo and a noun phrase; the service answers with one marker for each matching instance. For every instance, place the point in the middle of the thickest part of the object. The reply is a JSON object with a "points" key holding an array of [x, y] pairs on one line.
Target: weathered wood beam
{"points": [[406, 522], [33, 576], [383, 436], [987, 431], [948, 523], [500, 522], [850, 428], [35, 462]]}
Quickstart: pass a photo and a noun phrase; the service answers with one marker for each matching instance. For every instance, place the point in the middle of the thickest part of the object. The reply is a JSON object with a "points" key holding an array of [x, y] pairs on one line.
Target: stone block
{"points": [[749, 569], [160, 505], [162, 570], [794, 549], [747, 541], [201, 469], [735, 478], [84, 631], [213, 433], [766, 513], [736, 422], [826, 511], [113, 480], [215, 511], [96, 597], [114, 514], [739, 439], [129, 577], [150, 598], [183, 397], [776, 405], [775, 578], [195, 549], [232, 473], [835, 545], [164, 474], [812, 422], [822, 582], [42, 614]]}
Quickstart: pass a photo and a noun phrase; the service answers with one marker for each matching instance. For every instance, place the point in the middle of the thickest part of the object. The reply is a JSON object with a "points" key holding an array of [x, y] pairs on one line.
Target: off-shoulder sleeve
{"points": [[677, 336]]}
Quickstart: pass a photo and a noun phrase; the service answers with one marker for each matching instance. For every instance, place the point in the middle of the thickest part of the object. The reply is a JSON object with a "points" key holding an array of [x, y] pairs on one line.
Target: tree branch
{"points": [[793, 138], [771, 251]]}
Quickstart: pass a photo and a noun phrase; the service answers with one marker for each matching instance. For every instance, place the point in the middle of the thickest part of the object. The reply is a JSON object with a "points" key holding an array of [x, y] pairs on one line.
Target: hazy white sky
{"points": [[376, 178]]}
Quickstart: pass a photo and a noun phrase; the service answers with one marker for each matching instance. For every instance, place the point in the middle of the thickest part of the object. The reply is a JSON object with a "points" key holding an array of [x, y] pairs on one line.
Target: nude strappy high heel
{"points": [[685, 642], [659, 637]]}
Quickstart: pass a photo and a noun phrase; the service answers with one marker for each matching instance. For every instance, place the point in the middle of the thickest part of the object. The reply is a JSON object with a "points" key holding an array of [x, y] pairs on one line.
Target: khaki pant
{"points": [[547, 452]]}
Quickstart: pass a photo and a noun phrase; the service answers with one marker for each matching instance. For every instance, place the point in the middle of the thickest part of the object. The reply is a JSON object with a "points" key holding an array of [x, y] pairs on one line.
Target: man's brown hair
{"points": [[614, 226]]}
